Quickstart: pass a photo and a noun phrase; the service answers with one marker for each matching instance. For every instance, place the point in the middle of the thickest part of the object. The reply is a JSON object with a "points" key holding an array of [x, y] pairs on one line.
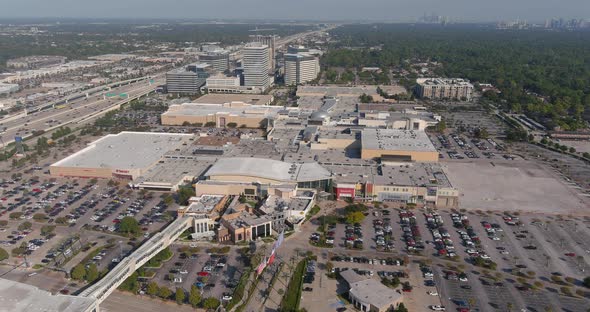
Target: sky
{"points": [[394, 10]]}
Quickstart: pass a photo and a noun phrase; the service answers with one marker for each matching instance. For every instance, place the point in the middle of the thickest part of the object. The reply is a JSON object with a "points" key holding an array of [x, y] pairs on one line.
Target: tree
{"points": [[586, 282], [152, 289], [184, 193], [586, 155], [78, 272], [180, 295], [194, 297], [131, 284], [544, 141], [39, 217], [401, 308], [364, 98], [3, 254], [211, 303], [15, 215], [572, 150], [210, 124], [47, 229], [232, 125], [25, 226], [129, 225], [355, 217], [164, 292], [92, 273]]}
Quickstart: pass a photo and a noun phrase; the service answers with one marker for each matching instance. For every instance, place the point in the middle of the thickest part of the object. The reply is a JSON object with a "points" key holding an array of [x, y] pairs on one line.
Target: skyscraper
{"points": [[300, 68], [187, 80], [255, 62], [268, 40]]}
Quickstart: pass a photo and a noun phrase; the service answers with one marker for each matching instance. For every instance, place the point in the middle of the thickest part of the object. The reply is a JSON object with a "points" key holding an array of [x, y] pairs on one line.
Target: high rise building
{"points": [[300, 68], [187, 80], [269, 41], [219, 61], [255, 62]]}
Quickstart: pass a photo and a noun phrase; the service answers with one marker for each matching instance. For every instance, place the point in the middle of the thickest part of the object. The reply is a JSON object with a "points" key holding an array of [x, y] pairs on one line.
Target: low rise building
{"points": [[444, 88], [397, 145], [232, 114], [369, 295]]}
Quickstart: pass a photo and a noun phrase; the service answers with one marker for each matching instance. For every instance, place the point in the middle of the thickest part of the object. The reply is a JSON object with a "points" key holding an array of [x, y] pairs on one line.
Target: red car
{"points": [[570, 254], [203, 273], [116, 221]]}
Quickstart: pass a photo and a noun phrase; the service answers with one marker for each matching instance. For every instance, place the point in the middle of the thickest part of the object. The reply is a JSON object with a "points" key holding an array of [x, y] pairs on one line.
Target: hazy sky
{"points": [[487, 10]]}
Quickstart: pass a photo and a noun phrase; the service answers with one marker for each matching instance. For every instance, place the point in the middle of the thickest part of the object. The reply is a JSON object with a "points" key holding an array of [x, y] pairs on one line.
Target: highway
{"points": [[74, 111]]}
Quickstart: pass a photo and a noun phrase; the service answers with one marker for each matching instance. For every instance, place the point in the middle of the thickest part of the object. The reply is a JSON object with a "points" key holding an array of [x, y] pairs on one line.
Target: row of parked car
{"points": [[412, 236]]}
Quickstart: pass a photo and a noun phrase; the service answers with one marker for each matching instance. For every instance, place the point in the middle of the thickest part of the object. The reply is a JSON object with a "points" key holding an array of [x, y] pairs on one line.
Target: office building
{"points": [[300, 68], [444, 88], [270, 42], [218, 61], [256, 64], [187, 80]]}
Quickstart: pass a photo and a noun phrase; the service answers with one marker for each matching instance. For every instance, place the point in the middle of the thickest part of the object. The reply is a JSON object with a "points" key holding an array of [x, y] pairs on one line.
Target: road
{"points": [[74, 111]]}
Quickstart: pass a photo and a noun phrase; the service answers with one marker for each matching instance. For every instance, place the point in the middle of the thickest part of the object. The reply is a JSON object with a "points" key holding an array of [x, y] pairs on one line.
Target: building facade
{"points": [[188, 80], [218, 61], [256, 63], [444, 88], [300, 68]]}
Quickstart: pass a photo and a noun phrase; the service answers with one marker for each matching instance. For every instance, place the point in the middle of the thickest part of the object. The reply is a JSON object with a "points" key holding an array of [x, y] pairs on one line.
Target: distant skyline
{"points": [[382, 10]]}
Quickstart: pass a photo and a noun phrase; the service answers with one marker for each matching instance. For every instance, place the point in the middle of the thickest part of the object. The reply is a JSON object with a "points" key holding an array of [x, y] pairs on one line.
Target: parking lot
{"points": [[215, 274]]}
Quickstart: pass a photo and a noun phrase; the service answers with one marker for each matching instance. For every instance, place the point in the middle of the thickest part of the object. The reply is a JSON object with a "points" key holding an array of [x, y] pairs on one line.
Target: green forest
{"points": [[522, 64]]}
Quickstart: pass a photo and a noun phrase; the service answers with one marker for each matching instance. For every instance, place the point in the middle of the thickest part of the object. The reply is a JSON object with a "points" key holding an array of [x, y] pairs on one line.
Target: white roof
{"points": [[126, 150], [396, 140], [268, 169], [20, 297]]}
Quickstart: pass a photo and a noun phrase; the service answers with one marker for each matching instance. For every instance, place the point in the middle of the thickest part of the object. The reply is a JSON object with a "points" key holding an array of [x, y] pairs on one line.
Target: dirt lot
{"points": [[513, 185]]}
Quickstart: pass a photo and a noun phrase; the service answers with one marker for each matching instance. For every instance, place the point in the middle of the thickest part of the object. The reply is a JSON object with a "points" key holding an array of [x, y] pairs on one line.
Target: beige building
{"points": [[232, 114], [126, 155], [444, 88], [369, 295], [397, 145]]}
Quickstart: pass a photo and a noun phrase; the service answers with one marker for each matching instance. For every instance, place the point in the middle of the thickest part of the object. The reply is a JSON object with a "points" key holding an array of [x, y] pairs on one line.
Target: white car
{"points": [[437, 308], [463, 279], [183, 272], [432, 293], [484, 256], [504, 252]]}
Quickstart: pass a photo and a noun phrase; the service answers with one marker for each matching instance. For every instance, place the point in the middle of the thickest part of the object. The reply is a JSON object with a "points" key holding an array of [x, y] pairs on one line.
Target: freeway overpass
{"points": [[86, 93], [105, 286], [78, 111]]}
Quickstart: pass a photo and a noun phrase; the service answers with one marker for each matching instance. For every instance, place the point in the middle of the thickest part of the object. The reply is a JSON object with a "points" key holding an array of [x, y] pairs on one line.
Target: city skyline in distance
{"points": [[371, 10]]}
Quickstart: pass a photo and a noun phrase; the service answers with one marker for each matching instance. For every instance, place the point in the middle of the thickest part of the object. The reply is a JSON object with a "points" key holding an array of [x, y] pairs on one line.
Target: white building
{"points": [[301, 68], [256, 64], [444, 88]]}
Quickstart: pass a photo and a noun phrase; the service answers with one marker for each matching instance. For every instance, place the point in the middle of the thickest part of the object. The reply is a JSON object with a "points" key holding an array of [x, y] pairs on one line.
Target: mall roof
{"points": [[233, 108], [268, 169], [17, 297], [396, 140], [216, 98], [126, 150]]}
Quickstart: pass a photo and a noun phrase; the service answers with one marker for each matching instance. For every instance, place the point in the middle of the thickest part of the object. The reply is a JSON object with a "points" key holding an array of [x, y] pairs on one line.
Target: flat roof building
{"points": [[187, 80], [256, 63], [444, 88], [369, 295], [232, 114], [400, 145], [300, 68], [126, 155], [20, 297]]}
